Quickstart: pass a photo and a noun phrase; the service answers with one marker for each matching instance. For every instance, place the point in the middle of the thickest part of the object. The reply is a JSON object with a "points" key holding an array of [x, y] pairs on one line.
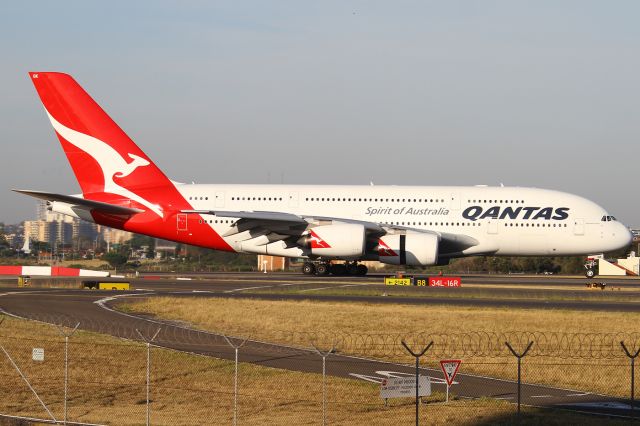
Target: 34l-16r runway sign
{"points": [[445, 282], [424, 281]]}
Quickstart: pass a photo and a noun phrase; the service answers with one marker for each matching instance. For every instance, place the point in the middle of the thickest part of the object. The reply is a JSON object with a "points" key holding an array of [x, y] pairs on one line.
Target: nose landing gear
{"points": [[590, 267]]}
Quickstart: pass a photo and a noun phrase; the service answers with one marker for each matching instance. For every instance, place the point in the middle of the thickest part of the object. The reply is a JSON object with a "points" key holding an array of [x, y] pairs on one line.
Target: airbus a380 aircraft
{"points": [[399, 225]]}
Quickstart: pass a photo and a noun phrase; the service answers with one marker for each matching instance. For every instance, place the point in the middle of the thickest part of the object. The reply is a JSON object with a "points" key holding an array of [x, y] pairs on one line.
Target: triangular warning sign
{"points": [[450, 369]]}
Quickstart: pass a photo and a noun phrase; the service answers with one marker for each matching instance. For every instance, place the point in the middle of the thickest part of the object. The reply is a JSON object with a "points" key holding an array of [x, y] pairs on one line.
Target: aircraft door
{"points": [[182, 222], [293, 199], [492, 227], [578, 227], [455, 202], [219, 199]]}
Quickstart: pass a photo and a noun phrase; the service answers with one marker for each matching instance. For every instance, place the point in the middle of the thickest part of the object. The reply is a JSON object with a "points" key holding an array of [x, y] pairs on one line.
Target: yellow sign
{"points": [[113, 286], [397, 281]]}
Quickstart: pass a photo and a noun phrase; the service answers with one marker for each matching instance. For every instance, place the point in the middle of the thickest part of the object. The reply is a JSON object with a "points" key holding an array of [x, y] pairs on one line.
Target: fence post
{"points": [[66, 363], [148, 341], [519, 356], [633, 375], [235, 377], [324, 356], [417, 357]]}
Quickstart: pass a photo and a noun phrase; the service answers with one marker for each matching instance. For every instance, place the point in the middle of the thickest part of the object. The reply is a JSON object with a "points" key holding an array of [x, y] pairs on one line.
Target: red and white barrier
{"points": [[50, 271]]}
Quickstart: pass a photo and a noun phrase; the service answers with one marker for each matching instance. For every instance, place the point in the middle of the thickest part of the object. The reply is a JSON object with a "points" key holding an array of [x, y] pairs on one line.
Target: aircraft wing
{"points": [[281, 226], [81, 202], [254, 215], [281, 218]]}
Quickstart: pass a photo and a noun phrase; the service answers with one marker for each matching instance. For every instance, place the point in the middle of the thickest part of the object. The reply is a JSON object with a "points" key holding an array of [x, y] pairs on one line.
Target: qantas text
{"points": [[547, 213]]}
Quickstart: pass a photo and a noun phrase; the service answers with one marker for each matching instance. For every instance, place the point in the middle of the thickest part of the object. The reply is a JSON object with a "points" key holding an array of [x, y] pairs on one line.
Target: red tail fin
{"points": [[104, 159], [112, 169]]}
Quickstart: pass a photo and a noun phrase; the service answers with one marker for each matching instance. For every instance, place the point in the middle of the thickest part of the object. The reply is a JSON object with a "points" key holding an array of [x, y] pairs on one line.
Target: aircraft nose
{"points": [[623, 236]]}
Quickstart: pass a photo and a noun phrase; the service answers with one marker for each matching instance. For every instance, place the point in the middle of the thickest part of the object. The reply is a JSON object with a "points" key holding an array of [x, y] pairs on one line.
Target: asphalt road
{"points": [[95, 310]]}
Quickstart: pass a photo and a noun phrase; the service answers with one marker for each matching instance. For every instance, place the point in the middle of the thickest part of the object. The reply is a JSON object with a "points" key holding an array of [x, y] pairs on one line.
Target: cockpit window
{"points": [[608, 218]]}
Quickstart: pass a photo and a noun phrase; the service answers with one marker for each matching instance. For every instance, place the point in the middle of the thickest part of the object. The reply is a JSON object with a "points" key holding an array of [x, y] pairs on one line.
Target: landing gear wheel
{"points": [[308, 268], [361, 270], [590, 273], [322, 269], [352, 268], [338, 269]]}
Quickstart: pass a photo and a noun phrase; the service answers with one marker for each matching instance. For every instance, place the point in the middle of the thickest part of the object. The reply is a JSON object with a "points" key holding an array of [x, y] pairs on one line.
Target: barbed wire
{"points": [[375, 345]]}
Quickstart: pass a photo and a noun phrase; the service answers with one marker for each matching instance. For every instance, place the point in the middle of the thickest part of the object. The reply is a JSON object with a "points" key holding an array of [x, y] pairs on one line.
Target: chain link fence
{"points": [[54, 373]]}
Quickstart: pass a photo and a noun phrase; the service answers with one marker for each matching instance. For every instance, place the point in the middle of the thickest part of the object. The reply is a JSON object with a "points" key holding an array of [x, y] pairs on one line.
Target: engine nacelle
{"points": [[341, 240], [409, 249]]}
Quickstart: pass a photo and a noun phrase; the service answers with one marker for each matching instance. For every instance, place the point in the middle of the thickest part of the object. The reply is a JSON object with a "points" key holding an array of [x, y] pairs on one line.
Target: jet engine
{"points": [[414, 249], [341, 240]]}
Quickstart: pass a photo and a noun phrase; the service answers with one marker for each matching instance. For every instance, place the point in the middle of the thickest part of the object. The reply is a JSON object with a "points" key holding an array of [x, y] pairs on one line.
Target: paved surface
{"points": [[95, 312]]}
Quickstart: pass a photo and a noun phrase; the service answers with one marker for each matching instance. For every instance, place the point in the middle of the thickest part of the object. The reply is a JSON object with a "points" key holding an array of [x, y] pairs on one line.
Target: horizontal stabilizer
{"points": [[81, 202]]}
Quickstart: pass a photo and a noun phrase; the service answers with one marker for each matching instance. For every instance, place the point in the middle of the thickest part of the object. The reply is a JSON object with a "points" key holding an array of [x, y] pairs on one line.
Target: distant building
{"points": [[114, 236], [56, 228], [48, 232], [165, 249], [49, 227], [272, 263], [10, 238], [82, 228]]}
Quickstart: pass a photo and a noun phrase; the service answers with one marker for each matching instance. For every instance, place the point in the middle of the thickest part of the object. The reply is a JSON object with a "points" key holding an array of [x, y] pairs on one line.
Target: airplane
{"points": [[333, 227]]}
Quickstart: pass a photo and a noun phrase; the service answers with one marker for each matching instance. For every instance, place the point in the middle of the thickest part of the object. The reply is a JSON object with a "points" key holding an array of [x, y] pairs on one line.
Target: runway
{"points": [[97, 311]]}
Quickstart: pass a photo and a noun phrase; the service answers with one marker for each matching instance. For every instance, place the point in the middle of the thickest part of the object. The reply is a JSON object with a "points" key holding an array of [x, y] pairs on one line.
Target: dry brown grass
{"points": [[268, 319], [107, 385], [273, 321]]}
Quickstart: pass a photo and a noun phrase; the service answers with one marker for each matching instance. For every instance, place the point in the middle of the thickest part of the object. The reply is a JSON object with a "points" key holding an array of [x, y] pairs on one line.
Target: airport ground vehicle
{"points": [[398, 225], [105, 285]]}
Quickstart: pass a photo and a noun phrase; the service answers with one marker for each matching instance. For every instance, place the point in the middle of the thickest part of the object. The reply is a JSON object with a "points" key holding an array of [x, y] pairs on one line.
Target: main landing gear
{"points": [[326, 268]]}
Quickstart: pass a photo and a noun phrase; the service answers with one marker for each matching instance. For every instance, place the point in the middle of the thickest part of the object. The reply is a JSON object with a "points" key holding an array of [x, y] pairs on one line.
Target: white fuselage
{"points": [[506, 221]]}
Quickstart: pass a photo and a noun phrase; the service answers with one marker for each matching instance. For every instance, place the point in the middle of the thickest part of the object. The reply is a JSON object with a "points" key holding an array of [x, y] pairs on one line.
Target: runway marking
{"points": [[315, 289], [101, 302], [335, 286], [578, 394], [504, 397], [247, 288], [540, 396]]}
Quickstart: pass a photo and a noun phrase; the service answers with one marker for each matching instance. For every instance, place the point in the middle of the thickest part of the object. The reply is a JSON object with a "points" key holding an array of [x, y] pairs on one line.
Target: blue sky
{"points": [[525, 93]]}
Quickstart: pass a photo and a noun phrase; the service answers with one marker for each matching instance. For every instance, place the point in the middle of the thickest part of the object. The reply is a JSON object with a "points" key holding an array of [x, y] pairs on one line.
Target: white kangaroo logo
{"points": [[110, 161]]}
